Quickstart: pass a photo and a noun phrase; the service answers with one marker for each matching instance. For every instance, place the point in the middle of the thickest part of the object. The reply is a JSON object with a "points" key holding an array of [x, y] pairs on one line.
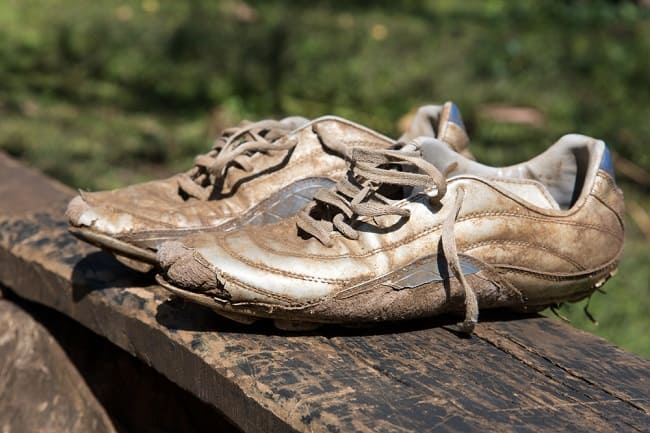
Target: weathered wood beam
{"points": [[532, 372]]}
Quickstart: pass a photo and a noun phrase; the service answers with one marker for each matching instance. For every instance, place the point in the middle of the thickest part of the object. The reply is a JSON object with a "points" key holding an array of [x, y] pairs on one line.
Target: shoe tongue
{"points": [[442, 122]]}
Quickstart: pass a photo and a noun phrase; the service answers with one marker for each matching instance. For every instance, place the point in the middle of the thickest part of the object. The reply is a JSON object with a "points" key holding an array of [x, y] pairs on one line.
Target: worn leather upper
{"points": [[157, 209], [149, 213], [536, 252]]}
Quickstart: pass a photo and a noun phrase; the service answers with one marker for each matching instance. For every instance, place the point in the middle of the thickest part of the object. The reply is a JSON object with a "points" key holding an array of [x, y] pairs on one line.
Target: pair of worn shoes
{"points": [[326, 221]]}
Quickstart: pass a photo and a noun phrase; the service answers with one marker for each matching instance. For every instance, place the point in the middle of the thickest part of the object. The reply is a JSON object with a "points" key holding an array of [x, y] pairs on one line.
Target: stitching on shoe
{"points": [[362, 142], [537, 185], [120, 210], [265, 268], [505, 269], [224, 225], [616, 214], [495, 279], [432, 229], [216, 208], [612, 184], [553, 218], [535, 245], [607, 178], [222, 277], [290, 301], [544, 219]]}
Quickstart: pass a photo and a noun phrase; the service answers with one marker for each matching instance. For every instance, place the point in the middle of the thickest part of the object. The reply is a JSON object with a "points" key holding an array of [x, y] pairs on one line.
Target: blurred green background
{"points": [[102, 94]]}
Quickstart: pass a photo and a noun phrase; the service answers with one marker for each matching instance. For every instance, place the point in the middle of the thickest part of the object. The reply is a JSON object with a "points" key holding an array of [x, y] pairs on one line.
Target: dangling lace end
{"points": [[471, 309], [558, 314], [467, 326], [585, 309], [451, 254]]}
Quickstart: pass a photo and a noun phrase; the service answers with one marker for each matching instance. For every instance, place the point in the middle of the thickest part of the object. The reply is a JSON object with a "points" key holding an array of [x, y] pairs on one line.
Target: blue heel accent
{"points": [[607, 164], [454, 116]]}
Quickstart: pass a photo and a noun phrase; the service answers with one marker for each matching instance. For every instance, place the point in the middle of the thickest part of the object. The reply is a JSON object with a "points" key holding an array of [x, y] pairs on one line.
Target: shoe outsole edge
{"points": [[115, 246]]}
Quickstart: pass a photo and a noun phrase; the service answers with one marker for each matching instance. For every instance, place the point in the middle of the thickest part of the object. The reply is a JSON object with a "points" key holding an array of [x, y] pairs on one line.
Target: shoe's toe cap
{"points": [[237, 266], [79, 212], [82, 214], [186, 268]]}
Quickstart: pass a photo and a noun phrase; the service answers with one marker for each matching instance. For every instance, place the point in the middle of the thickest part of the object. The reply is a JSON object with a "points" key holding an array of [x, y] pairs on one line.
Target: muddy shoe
{"points": [[257, 173], [417, 233]]}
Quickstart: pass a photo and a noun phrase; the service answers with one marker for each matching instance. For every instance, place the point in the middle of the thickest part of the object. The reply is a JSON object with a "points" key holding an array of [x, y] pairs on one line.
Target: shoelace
{"points": [[357, 198], [235, 146]]}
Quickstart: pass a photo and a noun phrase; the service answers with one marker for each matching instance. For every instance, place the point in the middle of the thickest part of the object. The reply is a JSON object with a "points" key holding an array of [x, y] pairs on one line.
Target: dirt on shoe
{"points": [[257, 173], [418, 232]]}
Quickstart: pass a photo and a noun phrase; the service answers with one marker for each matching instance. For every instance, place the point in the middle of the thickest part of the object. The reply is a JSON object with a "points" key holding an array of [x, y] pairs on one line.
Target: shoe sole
{"points": [[244, 319], [135, 257], [222, 308]]}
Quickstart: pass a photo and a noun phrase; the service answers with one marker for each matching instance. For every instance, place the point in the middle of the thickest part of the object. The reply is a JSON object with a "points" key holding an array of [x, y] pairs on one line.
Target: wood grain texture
{"points": [[514, 374], [28, 189], [93, 376], [40, 389]]}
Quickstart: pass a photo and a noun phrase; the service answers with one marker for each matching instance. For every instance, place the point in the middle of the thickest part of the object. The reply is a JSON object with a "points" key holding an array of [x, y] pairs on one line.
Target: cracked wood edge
{"points": [[608, 368], [627, 389]]}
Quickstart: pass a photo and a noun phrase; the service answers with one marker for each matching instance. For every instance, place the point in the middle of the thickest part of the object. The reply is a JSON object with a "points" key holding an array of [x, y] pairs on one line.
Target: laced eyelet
{"points": [[234, 143], [357, 195]]}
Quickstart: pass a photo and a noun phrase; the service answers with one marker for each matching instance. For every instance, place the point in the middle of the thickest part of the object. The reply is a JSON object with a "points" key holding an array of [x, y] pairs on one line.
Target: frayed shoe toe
{"points": [[186, 268]]}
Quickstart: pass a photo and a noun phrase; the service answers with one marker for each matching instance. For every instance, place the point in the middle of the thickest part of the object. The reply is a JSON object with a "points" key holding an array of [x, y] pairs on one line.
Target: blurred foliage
{"points": [[101, 94]]}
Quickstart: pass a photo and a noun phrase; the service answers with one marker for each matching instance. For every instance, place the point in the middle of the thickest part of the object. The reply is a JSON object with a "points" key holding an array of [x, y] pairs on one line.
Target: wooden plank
{"points": [[48, 357], [529, 374], [40, 389], [612, 368], [28, 189], [602, 372]]}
